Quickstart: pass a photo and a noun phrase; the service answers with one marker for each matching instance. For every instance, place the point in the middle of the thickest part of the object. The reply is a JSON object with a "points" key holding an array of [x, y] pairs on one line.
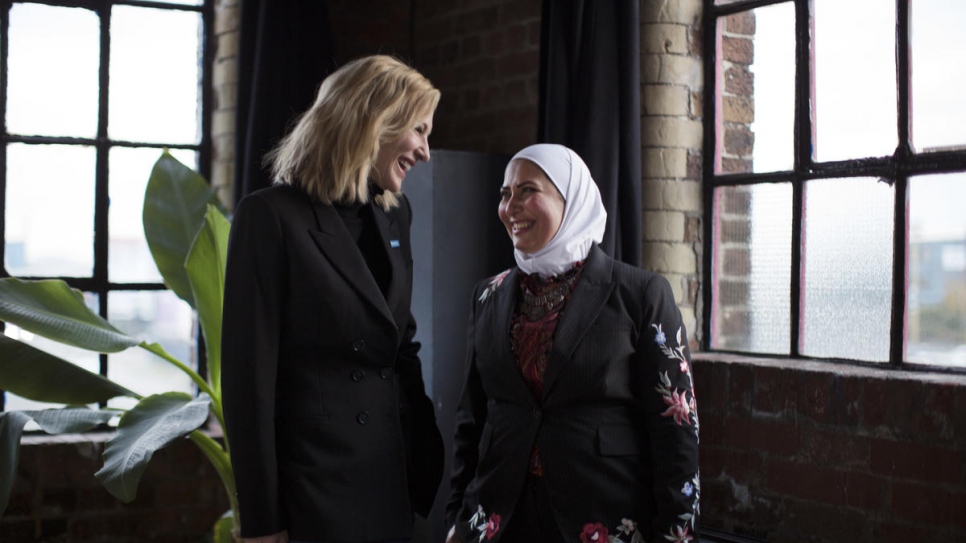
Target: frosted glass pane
{"points": [[50, 210], [155, 75], [129, 259], [855, 79], [847, 266], [938, 108], [936, 295], [752, 267], [156, 317], [757, 90], [54, 55], [88, 360]]}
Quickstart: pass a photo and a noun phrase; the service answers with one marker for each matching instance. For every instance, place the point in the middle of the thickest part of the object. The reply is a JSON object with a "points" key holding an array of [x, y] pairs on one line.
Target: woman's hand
{"points": [[451, 537], [281, 537]]}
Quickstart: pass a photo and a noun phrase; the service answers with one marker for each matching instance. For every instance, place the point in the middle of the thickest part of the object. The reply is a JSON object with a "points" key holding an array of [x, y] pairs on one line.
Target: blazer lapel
{"points": [[396, 296], [335, 242], [586, 301], [503, 301]]}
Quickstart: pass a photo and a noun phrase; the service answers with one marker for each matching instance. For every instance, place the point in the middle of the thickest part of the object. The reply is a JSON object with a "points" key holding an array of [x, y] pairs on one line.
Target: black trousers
{"points": [[533, 520]]}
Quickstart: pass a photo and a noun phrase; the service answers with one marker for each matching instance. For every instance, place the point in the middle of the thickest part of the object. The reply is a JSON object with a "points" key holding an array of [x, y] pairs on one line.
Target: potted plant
{"points": [[187, 233]]}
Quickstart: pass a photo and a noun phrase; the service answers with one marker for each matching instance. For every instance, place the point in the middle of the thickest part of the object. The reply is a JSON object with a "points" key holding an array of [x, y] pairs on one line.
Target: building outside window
{"points": [[835, 171], [92, 92]]}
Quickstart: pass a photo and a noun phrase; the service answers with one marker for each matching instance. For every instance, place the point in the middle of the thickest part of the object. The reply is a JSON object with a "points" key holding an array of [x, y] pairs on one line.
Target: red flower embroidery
{"points": [[594, 533], [679, 408], [492, 526]]}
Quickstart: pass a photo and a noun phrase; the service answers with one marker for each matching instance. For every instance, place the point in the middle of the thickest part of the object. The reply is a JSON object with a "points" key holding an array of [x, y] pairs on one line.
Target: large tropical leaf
{"points": [[53, 421], [154, 423], [175, 202], [11, 427], [37, 375], [52, 309], [206, 272]]}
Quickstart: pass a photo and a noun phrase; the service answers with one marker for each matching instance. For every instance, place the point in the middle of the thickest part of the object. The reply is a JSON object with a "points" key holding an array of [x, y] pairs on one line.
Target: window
{"points": [[92, 91], [835, 173]]}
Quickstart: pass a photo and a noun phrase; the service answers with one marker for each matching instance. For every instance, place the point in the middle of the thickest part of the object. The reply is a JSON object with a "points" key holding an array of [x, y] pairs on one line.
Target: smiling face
{"points": [[395, 158], [531, 207]]}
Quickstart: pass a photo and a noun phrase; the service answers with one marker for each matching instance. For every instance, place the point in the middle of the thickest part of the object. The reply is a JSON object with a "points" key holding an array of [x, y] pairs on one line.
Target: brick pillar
{"points": [[225, 83], [731, 328], [671, 137]]}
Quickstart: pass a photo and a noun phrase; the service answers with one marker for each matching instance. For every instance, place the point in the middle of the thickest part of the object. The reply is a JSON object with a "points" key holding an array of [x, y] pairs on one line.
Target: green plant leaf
{"points": [[222, 530], [37, 375], [154, 423], [50, 308], [175, 202], [206, 273], [11, 427], [53, 421], [71, 419]]}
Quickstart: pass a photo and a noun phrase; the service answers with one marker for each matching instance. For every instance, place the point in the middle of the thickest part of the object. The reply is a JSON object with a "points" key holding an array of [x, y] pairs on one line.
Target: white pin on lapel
{"points": [[394, 243]]}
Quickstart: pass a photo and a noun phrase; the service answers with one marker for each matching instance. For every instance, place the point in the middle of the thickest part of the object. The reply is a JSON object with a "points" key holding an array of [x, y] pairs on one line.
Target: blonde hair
{"points": [[366, 103]]}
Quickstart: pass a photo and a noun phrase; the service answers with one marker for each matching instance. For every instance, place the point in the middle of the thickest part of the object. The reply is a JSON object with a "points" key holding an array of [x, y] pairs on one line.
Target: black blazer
{"points": [[332, 436], [609, 444]]}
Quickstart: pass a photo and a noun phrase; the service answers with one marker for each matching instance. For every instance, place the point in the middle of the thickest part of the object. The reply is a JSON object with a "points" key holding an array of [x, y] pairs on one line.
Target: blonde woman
{"points": [[332, 435]]}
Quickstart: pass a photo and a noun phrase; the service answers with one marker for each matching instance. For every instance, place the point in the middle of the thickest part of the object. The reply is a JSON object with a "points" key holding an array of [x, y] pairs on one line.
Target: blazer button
{"points": [[358, 344], [537, 413], [385, 373], [362, 418], [358, 375]]}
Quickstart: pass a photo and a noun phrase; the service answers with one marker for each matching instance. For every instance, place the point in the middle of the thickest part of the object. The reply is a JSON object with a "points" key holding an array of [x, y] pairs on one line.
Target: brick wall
{"points": [[484, 55], [225, 83], [812, 452], [731, 246], [57, 499], [671, 132]]}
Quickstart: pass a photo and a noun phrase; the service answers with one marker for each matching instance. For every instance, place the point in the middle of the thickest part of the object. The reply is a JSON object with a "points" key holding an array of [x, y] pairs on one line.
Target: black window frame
{"points": [[98, 283], [897, 169]]}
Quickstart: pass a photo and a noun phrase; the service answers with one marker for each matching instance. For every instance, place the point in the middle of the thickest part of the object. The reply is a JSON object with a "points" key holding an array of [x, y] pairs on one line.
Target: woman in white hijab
{"points": [[578, 420]]}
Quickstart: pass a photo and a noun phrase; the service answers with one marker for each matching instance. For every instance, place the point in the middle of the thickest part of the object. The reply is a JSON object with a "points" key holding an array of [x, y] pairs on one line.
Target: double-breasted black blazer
{"points": [[616, 425], [332, 436]]}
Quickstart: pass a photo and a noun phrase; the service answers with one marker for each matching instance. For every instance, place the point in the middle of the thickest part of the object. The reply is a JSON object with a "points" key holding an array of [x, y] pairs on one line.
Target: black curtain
{"points": [[590, 101], [285, 50]]}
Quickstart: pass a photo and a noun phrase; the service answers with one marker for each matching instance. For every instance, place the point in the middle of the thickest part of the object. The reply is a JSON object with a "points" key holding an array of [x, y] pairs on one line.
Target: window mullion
{"points": [[897, 334], [803, 160]]}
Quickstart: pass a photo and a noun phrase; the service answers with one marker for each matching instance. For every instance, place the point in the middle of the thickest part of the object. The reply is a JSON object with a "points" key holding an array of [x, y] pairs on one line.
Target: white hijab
{"points": [[584, 217]]}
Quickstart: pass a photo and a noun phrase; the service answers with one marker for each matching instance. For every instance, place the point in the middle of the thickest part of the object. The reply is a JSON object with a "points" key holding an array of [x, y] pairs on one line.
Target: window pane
{"points": [[155, 75], [938, 113], [54, 55], [129, 259], [936, 319], [88, 360], [752, 267], [855, 79], [757, 100], [156, 317], [50, 210], [847, 265]]}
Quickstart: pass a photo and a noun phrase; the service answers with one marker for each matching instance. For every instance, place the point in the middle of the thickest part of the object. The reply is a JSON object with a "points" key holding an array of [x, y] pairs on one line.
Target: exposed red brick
{"points": [[767, 436], [928, 503], [915, 461], [806, 481]]}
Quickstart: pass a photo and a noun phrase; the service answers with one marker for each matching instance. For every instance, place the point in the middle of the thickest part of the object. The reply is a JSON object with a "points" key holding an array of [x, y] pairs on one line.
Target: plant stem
{"points": [[220, 460]]}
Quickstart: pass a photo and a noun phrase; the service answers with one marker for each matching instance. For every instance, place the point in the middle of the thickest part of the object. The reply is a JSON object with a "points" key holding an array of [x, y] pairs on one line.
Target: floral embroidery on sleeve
{"points": [[684, 410], [487, 527]]}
